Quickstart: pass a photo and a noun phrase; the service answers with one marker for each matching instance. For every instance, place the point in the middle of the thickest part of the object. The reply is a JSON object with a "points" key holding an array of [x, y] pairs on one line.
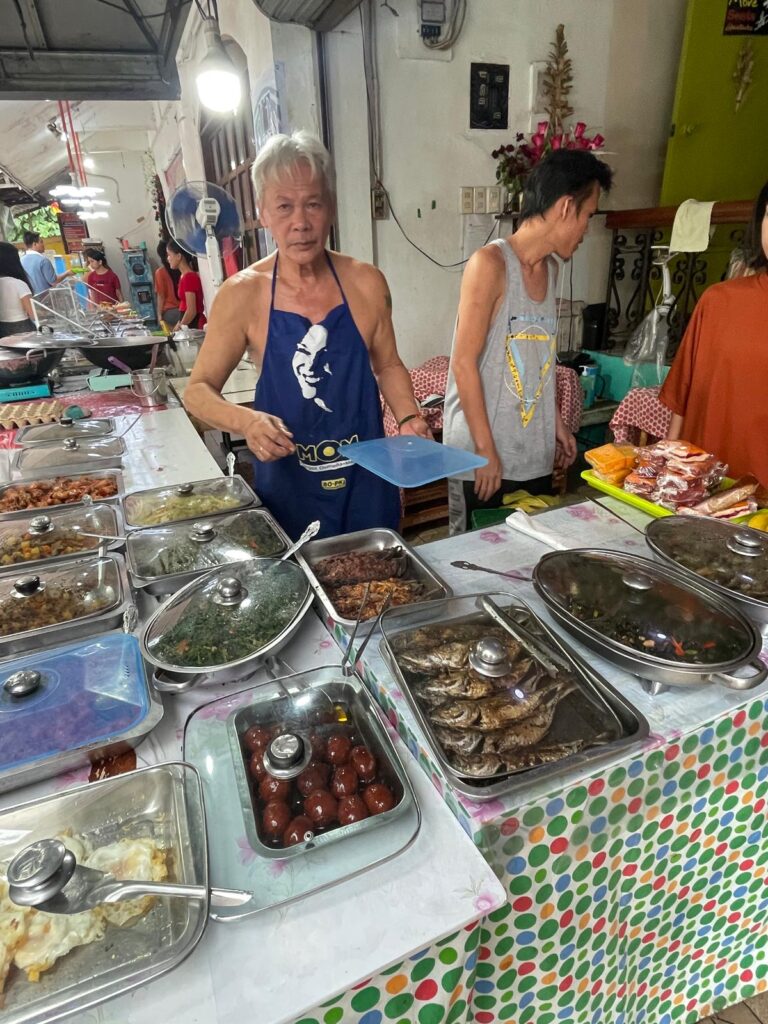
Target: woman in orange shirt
{"points": [[718, 383], [166, 287]]}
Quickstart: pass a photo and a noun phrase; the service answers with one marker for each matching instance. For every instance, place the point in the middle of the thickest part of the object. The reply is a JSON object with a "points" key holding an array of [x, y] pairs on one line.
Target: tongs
{"points": [[510, 574], [551, 664], [46, 876]]}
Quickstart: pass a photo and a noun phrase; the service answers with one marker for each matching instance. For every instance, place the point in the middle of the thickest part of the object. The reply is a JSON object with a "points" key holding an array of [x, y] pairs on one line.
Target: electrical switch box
{"points": [[466, 199], [379, 204], [493, 199], [478, 205], [489, 96], [432, 18]]}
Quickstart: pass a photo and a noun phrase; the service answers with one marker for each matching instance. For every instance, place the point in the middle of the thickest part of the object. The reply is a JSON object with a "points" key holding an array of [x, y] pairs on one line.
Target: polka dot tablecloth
{"points": [[640, 410]]}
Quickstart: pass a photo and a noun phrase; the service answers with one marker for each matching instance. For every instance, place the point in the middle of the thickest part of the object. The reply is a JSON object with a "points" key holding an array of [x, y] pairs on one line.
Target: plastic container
{"points": [[409, 461]]}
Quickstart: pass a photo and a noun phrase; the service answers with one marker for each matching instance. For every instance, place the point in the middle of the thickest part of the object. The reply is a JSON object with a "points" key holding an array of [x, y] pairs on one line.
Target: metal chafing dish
{"points": [[234, 739], [63, 601], [161, 559], [71, 705], [47, 492], [162, 804], [731, 559], [69, 532], [655, 622], [431, 586], [501, 700], [48, 433], [79, 454], [223, 625], [179, 502]]}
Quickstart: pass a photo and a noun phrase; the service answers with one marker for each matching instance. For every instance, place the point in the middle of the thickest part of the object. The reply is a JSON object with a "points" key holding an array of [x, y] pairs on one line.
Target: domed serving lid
{"points": [[227, 617], [641, 608], [730, 556]]}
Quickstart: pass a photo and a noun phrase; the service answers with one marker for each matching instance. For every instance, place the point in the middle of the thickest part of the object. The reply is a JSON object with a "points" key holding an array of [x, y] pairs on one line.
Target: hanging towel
{"points": [[691, 229]]}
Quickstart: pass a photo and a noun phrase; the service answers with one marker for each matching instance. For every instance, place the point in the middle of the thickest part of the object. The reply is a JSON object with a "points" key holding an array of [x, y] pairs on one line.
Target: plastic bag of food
{"points": [[612, 462]]}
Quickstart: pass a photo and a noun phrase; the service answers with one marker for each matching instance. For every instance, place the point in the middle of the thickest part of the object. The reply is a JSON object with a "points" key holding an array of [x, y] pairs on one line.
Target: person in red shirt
{"points": [[716, 388], [190, 290], [103, 283]]}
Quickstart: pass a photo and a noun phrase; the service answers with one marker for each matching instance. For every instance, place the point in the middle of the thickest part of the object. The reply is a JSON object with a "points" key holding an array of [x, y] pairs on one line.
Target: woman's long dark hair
{"points": [[96, 254], [175, 247], [10, 263], [162, 255], [753, 241]]}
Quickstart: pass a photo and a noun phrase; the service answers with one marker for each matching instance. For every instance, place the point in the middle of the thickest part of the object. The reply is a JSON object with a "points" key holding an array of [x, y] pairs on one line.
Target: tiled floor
{"points": [[753, 1011]]}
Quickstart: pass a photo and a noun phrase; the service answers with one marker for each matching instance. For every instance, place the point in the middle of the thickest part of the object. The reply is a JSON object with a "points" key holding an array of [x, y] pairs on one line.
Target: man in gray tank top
{"points": [[500, 399]]}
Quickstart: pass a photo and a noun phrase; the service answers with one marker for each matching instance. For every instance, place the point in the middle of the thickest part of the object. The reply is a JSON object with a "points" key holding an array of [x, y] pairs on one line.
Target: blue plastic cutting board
{"points": [[407, 461]]}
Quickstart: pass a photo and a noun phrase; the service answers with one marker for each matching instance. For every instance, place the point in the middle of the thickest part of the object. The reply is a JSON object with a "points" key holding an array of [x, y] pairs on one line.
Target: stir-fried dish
{"points": [[63, 490], [234, 540], [346, 577], [150, 512]]}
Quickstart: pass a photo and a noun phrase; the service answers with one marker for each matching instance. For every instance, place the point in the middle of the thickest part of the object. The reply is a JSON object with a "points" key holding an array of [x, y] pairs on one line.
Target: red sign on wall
{"points": [[73, 231]]}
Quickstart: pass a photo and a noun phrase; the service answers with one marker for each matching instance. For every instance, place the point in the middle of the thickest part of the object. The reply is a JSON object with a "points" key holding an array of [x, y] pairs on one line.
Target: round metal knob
{"points": [[39, 872], [287, 755], [202, 533], [744, 542], [70, 444], [490, 657], [184, 489], [637, 581], [230, 591], [40, 524], [26, 586], [22, 684]]}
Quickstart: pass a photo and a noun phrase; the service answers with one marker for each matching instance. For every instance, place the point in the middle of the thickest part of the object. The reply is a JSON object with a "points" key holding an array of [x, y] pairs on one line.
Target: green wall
{"points": [[715, 152]]}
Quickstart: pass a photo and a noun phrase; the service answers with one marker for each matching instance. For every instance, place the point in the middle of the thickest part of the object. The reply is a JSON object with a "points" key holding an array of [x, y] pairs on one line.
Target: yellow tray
{"points": [[649, 507]]}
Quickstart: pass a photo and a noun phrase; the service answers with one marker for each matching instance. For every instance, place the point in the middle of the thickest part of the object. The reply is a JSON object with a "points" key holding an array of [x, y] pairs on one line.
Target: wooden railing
{"points": [[634, 279]]}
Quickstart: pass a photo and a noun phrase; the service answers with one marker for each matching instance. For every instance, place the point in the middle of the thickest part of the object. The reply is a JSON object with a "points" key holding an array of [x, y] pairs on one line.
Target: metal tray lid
{"points": [[637, 606], [160, 505], [70, 697], [155, 552], [730, 556], [45, 433], [215, 743], [52, 491], [88, 453], [58, 594], [226, 617], [54, 533]]}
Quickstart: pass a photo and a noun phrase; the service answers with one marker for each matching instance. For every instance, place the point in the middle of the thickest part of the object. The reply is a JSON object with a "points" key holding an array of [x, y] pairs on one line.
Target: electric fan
{"points": [[204, 220]]}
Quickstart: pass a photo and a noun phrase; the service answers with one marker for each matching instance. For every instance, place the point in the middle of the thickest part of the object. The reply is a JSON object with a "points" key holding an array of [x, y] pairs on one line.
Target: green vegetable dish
{"points": [[181, 507]]}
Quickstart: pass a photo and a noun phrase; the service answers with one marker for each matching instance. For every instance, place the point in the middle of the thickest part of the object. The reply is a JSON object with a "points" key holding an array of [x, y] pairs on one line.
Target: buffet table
{"points": [[399, 938], [636, 894]]}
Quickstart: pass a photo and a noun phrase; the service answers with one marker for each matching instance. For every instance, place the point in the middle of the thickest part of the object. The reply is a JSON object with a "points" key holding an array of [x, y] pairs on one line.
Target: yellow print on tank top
{"points": [[530, 355]]}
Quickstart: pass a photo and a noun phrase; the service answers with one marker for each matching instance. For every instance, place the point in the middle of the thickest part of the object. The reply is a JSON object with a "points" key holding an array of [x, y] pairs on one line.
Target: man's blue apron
{"points": [[318, 380]]}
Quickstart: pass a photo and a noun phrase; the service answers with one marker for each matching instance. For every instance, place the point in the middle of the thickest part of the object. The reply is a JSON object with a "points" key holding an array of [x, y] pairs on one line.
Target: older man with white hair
{"points": [[320, 324]]}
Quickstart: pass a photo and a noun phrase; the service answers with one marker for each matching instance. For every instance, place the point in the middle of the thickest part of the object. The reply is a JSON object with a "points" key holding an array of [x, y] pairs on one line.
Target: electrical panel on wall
{"points": [[431, 19], [489, 96]]}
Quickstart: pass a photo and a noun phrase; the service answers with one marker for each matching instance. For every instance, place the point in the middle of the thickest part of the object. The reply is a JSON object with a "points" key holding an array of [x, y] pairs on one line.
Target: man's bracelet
{"points": [[407, 419]]}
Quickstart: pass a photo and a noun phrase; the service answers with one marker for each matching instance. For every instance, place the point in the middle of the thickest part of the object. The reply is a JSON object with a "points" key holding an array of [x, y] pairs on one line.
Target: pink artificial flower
{"points": [[557, 141], [541, 127], [597, 141], [579, 130]]}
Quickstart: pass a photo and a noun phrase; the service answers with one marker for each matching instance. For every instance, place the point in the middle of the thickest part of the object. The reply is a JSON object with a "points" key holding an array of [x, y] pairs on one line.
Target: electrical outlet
{"points": [[379, 204], [493, 199], [478, 205], [466, 199]]}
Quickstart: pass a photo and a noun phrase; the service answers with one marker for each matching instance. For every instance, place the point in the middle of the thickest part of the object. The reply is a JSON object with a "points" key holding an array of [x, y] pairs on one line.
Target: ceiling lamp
{"points": [[218, 82]]}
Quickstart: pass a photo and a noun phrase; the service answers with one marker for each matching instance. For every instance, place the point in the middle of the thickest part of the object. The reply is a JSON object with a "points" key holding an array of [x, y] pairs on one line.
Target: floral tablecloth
{"points": [[637, 894], [640, 410]]}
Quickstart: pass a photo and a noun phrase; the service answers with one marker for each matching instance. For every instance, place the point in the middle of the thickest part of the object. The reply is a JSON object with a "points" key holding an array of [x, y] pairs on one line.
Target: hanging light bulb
{"points": [[218, 83], [89, 163]]}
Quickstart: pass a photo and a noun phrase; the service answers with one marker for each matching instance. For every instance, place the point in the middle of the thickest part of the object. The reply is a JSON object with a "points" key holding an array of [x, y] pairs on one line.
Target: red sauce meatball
{"points": [[344, 781], [296, 830], [257, 737], [313, 777], [378, 798], [321, 807], [364, 763], [275, 818], [271, 788], [339, 749], [257, 769], [351, 808]]}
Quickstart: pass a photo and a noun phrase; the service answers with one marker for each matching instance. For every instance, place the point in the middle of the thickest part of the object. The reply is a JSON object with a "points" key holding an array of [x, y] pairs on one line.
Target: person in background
{"points": [[500, 398], [103, 283], [190, 287], [718, 386], [38, 268], [320, 325], [166, 285], [15, 293]]}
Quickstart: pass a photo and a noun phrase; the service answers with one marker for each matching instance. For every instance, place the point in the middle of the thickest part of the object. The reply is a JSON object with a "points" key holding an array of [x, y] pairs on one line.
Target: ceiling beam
{"points": [[177, 13], [86, 76], [35, 32], [135, 12]]}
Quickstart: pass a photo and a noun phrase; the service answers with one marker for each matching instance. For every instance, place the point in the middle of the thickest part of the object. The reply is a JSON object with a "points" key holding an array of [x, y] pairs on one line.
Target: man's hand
{"points": [[418, 427], [268, 437], [488, 478], [565, 445]]}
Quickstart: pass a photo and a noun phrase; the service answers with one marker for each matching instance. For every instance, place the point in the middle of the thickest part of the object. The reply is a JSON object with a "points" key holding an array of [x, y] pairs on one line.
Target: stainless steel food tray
{"points": [[366, 540], [21, 520], [96, 473], [160, 586], [362, 712], [132, 500], [164, 802], [633, 724], [106, 426], [21, 459]]}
